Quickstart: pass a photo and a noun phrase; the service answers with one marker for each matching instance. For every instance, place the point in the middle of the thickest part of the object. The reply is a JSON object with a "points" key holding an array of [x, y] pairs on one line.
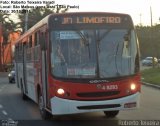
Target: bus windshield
{"points": [[93, 53]]}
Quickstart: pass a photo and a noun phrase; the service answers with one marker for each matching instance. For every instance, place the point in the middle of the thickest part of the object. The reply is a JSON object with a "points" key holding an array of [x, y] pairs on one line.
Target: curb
{"points": [[151, 85]]}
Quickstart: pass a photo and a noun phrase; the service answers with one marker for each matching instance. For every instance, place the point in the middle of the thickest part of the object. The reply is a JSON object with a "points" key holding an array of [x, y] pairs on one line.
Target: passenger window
{"points": [[30, 41]]}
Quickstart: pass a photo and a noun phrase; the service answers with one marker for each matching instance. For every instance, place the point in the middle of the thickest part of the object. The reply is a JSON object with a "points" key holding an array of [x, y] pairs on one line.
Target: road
{"points": [[14, 108]]}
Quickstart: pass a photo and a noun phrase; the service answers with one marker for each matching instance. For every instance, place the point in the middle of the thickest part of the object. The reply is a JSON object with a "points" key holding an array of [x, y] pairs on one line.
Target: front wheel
{"points": [[44, 114], [111, 114]]}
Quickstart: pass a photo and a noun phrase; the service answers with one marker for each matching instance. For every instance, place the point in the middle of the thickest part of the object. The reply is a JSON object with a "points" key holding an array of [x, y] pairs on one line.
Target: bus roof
{"points": [[46, 19]]}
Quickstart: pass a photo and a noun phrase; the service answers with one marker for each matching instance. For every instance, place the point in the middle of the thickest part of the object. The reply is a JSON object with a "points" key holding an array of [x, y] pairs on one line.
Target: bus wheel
{"points": [[111, 114], [44, 114]]}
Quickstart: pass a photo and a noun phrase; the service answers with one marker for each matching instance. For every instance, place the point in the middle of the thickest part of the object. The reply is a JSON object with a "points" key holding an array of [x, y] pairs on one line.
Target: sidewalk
{"points": [[151, 85], [4, 74]]}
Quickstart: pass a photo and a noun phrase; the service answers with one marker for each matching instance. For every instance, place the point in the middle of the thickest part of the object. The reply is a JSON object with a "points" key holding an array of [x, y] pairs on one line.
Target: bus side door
{"points": [[44, 67], [25, 88]]}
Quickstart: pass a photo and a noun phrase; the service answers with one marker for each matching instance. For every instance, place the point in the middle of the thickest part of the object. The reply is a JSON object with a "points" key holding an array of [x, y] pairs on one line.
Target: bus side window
{"points": [[36, 39], [17, 53], [28, 47], [36, 48], [20, 52], [43, 43], [27, 43], [30, 41]]}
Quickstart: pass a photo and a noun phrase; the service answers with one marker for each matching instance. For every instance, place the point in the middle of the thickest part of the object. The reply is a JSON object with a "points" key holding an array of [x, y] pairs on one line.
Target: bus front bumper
{"points": [[61, 106]]}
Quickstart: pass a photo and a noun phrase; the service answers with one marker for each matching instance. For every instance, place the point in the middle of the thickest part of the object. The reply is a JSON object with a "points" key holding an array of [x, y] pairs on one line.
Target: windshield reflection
{"points": [[93, 53]]}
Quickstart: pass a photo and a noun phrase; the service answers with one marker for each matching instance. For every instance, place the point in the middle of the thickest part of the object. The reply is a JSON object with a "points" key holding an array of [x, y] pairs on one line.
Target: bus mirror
{"points": [[126, 40], [42, 42]]}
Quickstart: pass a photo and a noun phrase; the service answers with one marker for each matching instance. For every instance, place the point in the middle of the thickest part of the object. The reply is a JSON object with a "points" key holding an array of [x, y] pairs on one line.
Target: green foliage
{"points": [[151, 75], [7, 24], [33, 17], [149, 40], [36, 15]]}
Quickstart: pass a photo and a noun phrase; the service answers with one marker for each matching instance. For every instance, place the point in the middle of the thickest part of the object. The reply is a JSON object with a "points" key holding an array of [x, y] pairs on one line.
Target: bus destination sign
{"points": [[92, 20]]}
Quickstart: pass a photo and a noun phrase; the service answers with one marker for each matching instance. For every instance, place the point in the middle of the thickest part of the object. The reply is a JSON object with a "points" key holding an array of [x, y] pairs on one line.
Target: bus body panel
{"points": [[95, 91], [19, 74], [64, 106], [30, 73]]}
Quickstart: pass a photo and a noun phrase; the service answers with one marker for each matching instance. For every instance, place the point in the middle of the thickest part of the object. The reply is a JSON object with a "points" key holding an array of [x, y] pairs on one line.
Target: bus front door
{"points": [[25, 89]]}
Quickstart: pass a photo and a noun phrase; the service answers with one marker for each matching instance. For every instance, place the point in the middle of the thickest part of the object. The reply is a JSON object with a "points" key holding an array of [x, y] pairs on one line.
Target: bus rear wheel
{"points": [[111, 114], [44, 114]]}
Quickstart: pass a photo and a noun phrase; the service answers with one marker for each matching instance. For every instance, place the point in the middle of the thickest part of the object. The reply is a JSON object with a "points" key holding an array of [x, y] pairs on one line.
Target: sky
{"points": [[138, 9]]}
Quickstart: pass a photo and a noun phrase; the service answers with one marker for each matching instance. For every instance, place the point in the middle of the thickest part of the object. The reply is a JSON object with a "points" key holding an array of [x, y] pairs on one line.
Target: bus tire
{"points": [[44, 114], [111, 114]]}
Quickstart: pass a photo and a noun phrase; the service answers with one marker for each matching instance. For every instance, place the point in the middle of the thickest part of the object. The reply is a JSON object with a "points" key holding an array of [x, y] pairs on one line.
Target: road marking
{"points": [[1, 106], [4, 112]]}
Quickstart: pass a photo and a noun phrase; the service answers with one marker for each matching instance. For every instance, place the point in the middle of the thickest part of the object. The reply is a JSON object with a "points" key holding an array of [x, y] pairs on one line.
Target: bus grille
{"points": [[99, 106], [98, 94]]}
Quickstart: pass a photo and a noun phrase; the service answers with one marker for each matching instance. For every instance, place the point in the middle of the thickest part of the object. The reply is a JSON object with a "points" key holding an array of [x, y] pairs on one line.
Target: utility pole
{"points": [[0, 46], [151, 16], [151, 36], [140, 17], [26, 21]]}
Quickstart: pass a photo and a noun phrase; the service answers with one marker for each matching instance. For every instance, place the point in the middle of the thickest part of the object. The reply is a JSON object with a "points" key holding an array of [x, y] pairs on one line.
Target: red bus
{"points": [[80, 62]]}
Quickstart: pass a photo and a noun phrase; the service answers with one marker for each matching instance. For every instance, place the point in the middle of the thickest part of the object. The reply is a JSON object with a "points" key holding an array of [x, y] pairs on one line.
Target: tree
{"points": [[149, 39], [36, 15], [8, 25]]}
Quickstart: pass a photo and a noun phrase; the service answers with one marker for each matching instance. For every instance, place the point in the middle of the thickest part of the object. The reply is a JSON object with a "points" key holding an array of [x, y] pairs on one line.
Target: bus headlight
{"points": [[9, 75], [60, 91], [133, 87]]}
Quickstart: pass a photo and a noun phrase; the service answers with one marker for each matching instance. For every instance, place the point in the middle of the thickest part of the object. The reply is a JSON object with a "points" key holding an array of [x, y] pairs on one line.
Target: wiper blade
{"points": [[105, 34], [83, 37], [85, 40], [100, 38]]}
